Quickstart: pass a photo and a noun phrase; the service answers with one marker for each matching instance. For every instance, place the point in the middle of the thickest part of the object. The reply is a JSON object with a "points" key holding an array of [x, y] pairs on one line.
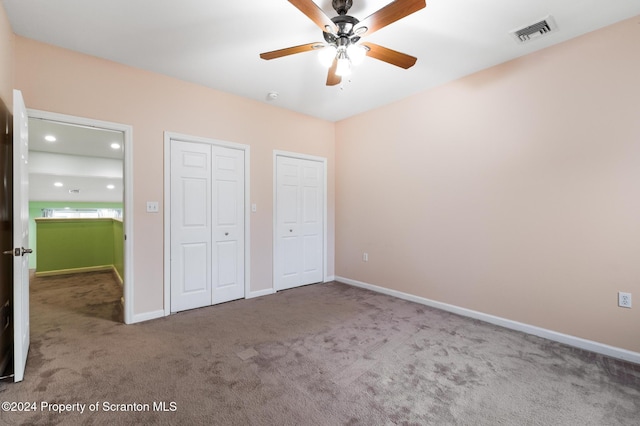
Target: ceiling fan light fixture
{"points": [[356, 53], [343, 32], [360, 31], [343, 68], [326, 55]]}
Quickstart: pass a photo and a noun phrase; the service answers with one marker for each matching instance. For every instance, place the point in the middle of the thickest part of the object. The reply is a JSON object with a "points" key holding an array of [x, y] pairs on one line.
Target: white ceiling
{"points": [[216, 43], [81, 160], [72, 139]]}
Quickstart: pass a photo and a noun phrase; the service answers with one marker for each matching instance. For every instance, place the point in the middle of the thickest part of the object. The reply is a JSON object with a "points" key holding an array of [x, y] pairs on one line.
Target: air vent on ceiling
{"points": [[74, 191], [534, 31]]}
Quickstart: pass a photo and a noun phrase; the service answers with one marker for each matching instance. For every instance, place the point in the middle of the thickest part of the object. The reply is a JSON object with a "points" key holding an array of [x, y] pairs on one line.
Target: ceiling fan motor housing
{"points": [[342, 6], [345, 34]]}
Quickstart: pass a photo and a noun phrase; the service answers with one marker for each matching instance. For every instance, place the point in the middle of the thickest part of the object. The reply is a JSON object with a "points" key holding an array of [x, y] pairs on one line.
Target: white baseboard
{"points": [[83, 270], [258, 293], [117, 276], [146, 316], [566, 339], [330, 278]]}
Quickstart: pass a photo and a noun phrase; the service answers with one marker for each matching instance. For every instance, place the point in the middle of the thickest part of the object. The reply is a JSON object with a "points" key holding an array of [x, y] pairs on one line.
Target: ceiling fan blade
{"points": [[332, 78], [389, 14], [390, 56], [313, 12], [289, 51]]}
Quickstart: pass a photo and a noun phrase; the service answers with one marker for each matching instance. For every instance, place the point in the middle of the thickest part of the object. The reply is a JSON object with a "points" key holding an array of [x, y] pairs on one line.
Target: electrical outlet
{"points": [[365, 257], [624, 299]]}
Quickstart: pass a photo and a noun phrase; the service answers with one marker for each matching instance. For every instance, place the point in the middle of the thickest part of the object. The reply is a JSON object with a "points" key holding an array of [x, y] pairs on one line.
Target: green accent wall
{"points": [[35, 211], [78, 243]]}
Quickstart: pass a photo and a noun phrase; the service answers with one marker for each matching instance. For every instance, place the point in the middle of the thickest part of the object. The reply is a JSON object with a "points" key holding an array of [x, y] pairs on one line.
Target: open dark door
{"points": [[6, 237]]}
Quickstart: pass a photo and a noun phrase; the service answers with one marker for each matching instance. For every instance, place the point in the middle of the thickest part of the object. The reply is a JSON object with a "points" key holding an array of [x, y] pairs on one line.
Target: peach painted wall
{"points": [[514, 191], [62, 81], [6, 59]]}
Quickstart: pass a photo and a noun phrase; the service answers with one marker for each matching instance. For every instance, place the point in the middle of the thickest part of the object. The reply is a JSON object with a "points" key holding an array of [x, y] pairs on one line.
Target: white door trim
{"points": [[323, 160], [127, 214], [168, 137]]}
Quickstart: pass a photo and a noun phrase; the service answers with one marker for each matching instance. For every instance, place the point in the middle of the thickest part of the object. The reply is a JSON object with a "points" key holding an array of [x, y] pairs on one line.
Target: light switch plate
{"points": [[152, 207]]}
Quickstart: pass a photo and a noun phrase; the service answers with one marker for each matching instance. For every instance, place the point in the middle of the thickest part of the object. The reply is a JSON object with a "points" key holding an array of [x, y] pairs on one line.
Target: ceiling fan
{"points": [[342, 35]]}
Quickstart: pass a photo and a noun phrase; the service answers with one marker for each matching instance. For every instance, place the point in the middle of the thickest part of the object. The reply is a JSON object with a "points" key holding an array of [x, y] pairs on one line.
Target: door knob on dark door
{"points": [[18, 251]]}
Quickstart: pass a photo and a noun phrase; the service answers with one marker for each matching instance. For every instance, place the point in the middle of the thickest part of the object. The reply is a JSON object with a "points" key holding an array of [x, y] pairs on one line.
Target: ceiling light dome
{"points": [[356, 53], [343, 68], [326, 55]]}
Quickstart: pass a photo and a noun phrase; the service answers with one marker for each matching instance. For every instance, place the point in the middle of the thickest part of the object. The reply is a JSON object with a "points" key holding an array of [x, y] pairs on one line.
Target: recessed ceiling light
{"points": [[110, 186], [50, 138], [58, 184], [115, 145]]}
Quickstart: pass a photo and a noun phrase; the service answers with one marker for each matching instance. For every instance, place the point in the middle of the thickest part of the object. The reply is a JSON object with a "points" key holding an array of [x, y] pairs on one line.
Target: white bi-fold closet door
{"points": [[299, 221], [207, 224]]}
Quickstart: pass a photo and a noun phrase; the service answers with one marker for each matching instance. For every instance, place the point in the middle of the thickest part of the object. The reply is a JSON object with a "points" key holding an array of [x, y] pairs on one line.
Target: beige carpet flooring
{"points": [[326, 354]]}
